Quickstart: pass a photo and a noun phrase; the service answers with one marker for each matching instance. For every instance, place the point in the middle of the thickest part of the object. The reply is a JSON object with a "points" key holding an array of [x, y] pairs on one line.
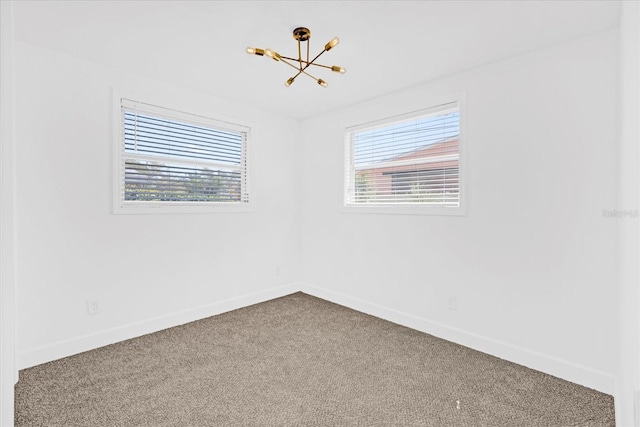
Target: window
{"points": [[412, 161], [174, 162]]}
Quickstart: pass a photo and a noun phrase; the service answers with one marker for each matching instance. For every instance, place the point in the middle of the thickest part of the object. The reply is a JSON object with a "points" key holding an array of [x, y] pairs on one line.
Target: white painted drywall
{"points": [[8, 369], [146, 271], [628, 189], [533, 263]]}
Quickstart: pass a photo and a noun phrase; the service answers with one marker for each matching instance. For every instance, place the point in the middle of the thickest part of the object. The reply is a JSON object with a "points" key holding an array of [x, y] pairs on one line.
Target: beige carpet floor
{"points": [[297, 361]]}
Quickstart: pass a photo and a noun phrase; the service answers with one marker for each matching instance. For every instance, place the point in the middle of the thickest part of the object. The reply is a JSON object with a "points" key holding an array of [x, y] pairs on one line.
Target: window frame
{"points": [[348, 181], [168, 110]]}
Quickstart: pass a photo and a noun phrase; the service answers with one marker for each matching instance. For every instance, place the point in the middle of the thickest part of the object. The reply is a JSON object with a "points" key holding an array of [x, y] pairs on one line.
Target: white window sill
{"points": [[404, 210], [182, 209]]}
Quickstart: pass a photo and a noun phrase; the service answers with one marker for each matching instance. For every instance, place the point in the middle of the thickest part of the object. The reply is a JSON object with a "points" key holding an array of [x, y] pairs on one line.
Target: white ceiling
{"points": [[385, 45]]}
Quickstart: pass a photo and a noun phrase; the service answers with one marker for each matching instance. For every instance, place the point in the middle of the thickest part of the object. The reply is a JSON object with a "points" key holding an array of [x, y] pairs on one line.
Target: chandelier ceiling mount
{"points": [[302, 34]]}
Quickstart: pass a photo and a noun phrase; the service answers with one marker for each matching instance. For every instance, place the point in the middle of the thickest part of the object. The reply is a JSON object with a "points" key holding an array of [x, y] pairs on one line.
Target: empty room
{"points": [[319, 213]]}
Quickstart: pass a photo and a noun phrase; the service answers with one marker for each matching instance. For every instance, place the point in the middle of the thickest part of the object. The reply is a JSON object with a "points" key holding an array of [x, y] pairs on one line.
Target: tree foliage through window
{"points": [[166, 157]]}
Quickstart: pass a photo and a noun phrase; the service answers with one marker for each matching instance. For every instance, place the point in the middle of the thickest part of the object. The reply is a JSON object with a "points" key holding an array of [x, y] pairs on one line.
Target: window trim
{"points": [[132, 207], [406, 209]]}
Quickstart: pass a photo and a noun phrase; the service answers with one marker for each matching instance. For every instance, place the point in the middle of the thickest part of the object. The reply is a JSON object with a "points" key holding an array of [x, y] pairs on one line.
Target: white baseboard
{"points": [[58, 350], [566, 370], [636, 409]]}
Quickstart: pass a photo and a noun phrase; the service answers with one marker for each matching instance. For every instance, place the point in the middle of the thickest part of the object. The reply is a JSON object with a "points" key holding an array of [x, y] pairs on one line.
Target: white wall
{"points": [[628, 189], [533, 263], [147, 271], [8, 370]]}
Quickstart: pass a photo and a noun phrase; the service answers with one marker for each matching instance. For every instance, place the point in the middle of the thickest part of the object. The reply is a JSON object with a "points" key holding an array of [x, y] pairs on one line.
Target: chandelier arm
{"points": [[290, 58], [311, 63], [299, 70], [314, 78], [293, 78], [291, 65], [300, 54], [313, 60], [320, 65]]}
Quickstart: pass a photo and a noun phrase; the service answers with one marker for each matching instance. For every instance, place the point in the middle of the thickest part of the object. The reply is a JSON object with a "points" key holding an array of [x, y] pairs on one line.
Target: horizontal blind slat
{"points": [[166, 160], [412, 162]]}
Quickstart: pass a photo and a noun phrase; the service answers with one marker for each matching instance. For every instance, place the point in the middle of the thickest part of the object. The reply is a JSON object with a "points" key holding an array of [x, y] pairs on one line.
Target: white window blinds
{"points": [[414, 161], [170, 157]]}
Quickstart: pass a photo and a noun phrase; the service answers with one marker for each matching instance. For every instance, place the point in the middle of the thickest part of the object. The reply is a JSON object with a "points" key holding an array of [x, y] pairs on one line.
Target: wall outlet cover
{"points": [[93, 307]]}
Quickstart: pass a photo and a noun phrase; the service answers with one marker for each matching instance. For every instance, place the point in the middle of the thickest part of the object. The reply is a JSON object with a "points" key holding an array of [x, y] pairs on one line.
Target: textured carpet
{"points": [[298, 361]]}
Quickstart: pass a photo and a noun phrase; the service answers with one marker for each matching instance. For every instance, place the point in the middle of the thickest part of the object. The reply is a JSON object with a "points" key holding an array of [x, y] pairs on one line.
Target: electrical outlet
{"points": [[453, 303], [92, 306]]}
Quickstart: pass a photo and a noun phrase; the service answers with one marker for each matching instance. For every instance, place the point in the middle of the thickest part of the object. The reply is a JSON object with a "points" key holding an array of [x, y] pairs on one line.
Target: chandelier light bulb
{"points": [[289, 81], [338, 69], [272, 54], [334, 41], [322, 83], [255, 51]]}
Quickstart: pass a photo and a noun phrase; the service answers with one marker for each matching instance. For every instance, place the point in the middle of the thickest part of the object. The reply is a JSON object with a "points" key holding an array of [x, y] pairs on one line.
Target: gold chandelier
{"points": [[301, 34]]}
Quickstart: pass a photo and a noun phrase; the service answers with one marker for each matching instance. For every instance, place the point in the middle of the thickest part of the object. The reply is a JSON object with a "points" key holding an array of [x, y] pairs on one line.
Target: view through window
{"points": [[412, 161], [172, 158]]}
